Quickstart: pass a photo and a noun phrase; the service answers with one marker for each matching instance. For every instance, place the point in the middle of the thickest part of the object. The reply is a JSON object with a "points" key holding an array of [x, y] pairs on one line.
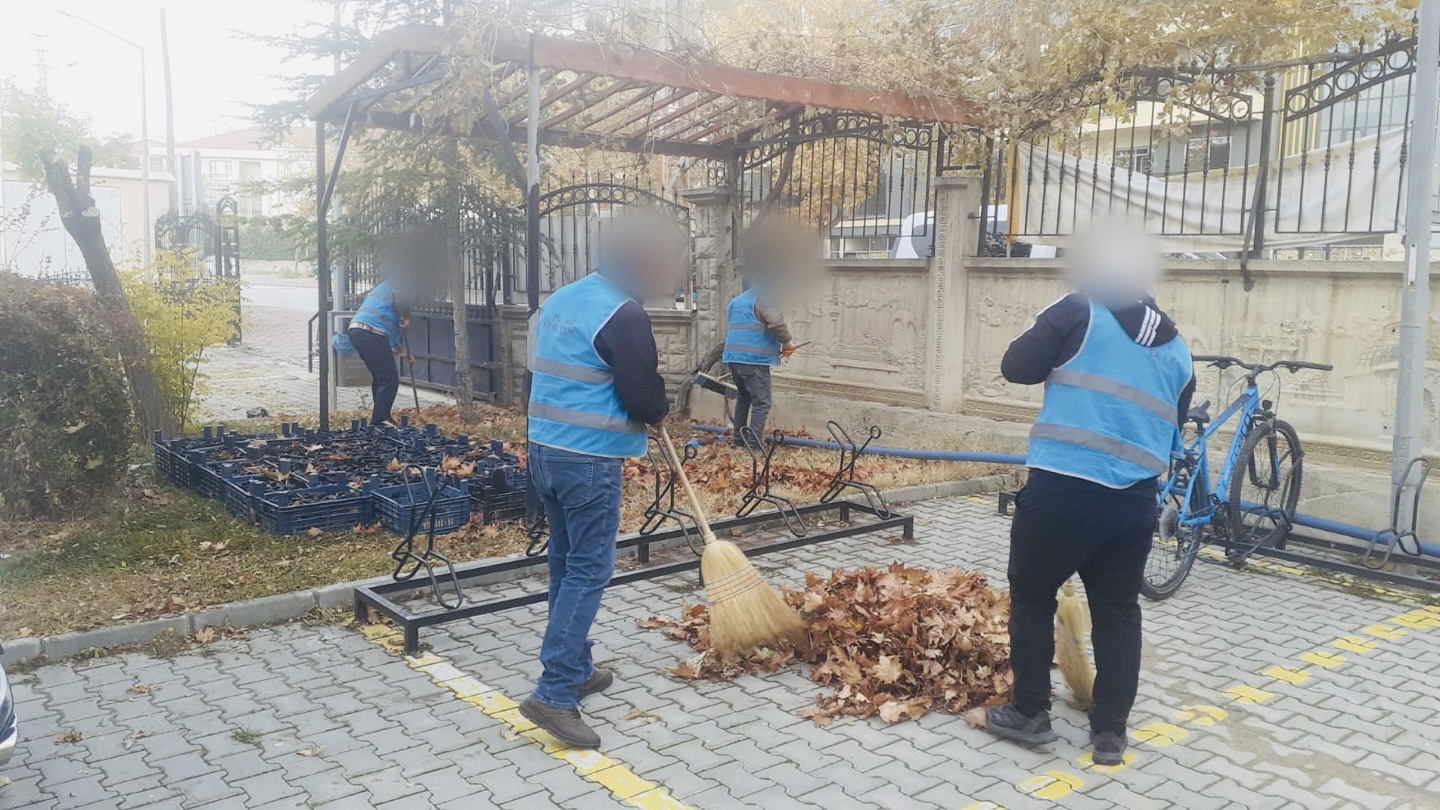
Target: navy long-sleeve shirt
{"points": [[627, 344]]}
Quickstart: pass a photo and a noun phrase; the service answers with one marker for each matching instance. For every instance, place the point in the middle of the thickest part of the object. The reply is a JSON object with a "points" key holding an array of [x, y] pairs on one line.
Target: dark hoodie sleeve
{"points": [[627, 344], [1050, 342]]}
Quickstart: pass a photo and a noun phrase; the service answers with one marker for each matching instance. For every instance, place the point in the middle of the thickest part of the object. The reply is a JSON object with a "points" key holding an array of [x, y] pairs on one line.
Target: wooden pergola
{"points": [[547, 90]]}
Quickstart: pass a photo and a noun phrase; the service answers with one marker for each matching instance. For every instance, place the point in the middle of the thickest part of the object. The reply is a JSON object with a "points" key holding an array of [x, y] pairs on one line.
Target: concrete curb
{"points": [[288, 606]]}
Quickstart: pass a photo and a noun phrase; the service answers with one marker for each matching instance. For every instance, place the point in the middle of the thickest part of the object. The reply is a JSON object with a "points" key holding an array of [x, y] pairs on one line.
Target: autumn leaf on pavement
{"points": [[888, 669]]}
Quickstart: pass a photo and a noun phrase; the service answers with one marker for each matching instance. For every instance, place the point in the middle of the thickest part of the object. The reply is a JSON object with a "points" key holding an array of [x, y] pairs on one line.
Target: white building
{"points": [[245, 164], [33, 242]]}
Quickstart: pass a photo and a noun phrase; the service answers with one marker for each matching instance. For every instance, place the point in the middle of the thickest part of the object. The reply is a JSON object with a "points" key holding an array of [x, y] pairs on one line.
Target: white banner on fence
{"points": [[1322, 198]]}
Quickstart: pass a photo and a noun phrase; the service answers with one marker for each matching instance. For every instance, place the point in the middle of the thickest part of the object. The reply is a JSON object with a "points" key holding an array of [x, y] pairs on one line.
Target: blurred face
{"points": [[657, 268], [1115, 264]]}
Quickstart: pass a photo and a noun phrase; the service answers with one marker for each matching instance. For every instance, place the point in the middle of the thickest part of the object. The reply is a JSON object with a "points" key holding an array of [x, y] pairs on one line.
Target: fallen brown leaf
{"points": [[71, 736], [637, 714]]}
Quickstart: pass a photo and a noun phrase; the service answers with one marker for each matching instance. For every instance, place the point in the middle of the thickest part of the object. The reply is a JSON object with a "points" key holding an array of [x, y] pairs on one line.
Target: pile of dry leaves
{"points": [[895, 641]]}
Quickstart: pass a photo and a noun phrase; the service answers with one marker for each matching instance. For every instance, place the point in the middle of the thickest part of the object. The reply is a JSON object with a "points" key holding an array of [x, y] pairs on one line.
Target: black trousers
{"points": [[752, 398], [384, 374], [1063, 526]]}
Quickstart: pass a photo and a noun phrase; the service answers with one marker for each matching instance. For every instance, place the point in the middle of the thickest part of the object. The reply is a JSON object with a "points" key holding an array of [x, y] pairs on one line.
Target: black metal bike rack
{"points": [[383, 598], [430, 557], [844, 477], [664, 508], [759, 490]]}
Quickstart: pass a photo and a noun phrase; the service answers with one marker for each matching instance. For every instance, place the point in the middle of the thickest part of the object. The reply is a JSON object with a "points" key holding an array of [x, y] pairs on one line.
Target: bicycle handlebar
{"points": [[1223, 362]]}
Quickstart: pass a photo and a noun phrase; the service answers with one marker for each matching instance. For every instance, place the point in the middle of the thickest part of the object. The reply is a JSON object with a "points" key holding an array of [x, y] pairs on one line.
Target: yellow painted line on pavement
{"points": [[1355, 644], [1052, 785], [1427, 618], [1294, 677], [1244, 693], [1384, 631], [1321, 658], [1159, 734], [622, 783], [1202, 715], [984, 806]]}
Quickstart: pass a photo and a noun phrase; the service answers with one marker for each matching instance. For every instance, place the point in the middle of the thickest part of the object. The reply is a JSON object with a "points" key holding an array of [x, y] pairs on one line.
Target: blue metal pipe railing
{"points": [[1383, 537]]}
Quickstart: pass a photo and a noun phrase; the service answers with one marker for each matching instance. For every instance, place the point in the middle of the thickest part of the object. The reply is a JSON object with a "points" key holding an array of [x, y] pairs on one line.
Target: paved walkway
{"points": [[1261, 690], [269, 370]]}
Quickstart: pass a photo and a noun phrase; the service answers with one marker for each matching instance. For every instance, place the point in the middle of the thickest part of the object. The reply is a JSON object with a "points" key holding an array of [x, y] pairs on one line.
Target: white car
{"points": [[9, 729]]}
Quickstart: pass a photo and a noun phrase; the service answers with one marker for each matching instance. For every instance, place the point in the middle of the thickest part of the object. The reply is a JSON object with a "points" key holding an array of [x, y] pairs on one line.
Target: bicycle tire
{"points": [[1186, 547], [1266, 450]]}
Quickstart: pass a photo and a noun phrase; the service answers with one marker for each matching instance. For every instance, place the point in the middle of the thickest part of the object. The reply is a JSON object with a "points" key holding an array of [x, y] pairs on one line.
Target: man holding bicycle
{"points": [[1118, 382]]}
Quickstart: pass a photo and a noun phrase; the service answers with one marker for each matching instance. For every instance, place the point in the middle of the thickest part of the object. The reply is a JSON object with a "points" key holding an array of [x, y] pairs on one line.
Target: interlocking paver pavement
{"points": [[297, 716]]}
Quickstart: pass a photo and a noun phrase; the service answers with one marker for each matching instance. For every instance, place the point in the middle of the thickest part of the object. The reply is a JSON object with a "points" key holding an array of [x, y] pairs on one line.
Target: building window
{"points": [[217, 170], [1205, 153], [1139, 159]]}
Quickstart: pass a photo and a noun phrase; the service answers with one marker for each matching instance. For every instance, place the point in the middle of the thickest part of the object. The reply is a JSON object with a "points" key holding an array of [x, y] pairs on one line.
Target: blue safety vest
{"points": [[746, 340], [1110, 413], [573, 402], [379, 311]]}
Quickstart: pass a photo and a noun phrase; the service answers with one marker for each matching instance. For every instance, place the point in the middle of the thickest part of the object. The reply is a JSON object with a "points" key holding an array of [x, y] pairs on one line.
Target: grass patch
{"points": [[247, 736], [160, 551]]}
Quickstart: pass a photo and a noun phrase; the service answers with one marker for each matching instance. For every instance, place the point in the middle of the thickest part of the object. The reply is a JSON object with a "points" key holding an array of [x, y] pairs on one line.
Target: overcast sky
{"points": [[215, 70]]}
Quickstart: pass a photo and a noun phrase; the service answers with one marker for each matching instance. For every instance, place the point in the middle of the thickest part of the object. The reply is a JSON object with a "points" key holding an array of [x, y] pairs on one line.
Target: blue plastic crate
{"points": [[236, 495], [400, 505], [328, 507], [172, 465], [499, 507]]}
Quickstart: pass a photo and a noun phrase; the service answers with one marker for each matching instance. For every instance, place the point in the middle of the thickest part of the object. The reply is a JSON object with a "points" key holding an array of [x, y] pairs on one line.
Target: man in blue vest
{"points": [[376, 331], [756, 338], [595, 386], [1118, 383]]}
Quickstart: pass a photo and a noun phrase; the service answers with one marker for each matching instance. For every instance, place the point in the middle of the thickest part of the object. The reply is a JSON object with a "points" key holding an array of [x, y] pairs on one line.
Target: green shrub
{"points": [[65, 424], [181, 313]]}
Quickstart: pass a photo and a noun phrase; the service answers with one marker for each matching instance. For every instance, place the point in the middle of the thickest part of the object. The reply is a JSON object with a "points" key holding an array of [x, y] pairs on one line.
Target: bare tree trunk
{"points": [[82, 220], [455, 255]]}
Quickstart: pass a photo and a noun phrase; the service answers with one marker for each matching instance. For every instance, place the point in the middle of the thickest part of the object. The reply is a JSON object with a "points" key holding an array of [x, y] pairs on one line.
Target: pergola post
{"points": [[322, 273], [712, 250]]}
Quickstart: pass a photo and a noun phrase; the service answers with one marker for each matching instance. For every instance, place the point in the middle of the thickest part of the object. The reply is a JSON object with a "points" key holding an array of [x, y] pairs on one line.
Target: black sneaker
{"points": [[598, 682], [1007, 722], [1108, 747], [565, 725]]}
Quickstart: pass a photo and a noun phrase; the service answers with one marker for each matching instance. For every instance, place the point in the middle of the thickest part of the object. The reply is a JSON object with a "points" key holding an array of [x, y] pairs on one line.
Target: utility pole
{"points": [[1415, 291], [148, 239], [169, 121]]}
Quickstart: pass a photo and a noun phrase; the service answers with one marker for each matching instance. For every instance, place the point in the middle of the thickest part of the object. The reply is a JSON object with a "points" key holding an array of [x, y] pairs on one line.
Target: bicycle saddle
{"points": [[1199, 414]]}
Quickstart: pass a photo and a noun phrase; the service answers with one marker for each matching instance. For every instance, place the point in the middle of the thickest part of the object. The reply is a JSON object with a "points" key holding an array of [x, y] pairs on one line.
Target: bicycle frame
{"points": [[1192, 515]]}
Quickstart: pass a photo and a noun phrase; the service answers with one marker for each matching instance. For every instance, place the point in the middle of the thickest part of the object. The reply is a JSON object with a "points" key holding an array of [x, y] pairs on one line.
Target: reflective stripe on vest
{"points": [[1110, 413], [746, 339], [1099, 441], [573, 402]]}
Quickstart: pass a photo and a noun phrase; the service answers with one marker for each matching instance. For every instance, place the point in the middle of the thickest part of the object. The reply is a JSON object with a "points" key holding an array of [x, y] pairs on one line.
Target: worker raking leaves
{"points": [[595, 387], [1118, 383]]}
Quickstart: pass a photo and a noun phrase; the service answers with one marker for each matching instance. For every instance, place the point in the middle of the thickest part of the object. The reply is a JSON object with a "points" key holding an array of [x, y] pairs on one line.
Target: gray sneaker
{"points": [[599, 681], [565, 725], [1108, 748], [1009, 723]]}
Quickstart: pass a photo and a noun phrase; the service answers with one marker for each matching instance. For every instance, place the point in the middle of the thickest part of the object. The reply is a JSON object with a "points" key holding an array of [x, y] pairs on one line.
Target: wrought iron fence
{"points": [[1294, 158], [863, 184], [576, 220]]}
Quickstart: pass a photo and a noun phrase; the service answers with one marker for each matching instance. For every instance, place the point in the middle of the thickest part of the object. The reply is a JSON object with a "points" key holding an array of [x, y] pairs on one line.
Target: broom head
{"points": [[1072, 621], [745, 612]]}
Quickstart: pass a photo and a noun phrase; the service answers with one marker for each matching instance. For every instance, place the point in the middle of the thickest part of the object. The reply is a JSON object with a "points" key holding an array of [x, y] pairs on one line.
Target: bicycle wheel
{"points": [[1265, 489], [1171, 554]]}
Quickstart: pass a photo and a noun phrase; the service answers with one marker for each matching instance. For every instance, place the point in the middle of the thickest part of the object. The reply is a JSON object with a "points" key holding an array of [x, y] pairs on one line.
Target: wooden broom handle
{"points": [[705, 532]]}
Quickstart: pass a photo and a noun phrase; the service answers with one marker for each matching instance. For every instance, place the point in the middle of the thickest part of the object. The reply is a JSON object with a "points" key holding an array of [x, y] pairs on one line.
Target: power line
{"points": [[42, 66]]}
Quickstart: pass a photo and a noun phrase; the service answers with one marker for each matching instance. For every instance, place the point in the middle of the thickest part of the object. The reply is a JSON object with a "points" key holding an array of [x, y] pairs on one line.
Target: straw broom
{"points": [[1072, 621], [745, 612]]}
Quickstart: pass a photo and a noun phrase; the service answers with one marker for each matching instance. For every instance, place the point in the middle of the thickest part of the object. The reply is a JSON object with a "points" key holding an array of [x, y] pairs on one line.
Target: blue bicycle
{"points": [[1254, 499]]}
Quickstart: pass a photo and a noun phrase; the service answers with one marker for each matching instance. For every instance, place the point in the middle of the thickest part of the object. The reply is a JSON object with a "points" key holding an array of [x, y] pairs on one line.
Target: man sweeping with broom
{"points": [[1118, 382], [595, 387]]}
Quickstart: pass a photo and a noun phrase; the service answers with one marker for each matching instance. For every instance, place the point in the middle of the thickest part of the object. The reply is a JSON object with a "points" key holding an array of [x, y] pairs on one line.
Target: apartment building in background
{"points": [[246, 164]]}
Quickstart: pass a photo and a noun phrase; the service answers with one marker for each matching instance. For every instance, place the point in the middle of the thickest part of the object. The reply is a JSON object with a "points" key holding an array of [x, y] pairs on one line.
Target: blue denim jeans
{"points": [[581, 498]]}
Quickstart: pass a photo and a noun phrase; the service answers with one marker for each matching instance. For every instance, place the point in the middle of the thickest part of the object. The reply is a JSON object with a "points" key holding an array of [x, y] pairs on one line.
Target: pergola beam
{"points": [[645, 66]]}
